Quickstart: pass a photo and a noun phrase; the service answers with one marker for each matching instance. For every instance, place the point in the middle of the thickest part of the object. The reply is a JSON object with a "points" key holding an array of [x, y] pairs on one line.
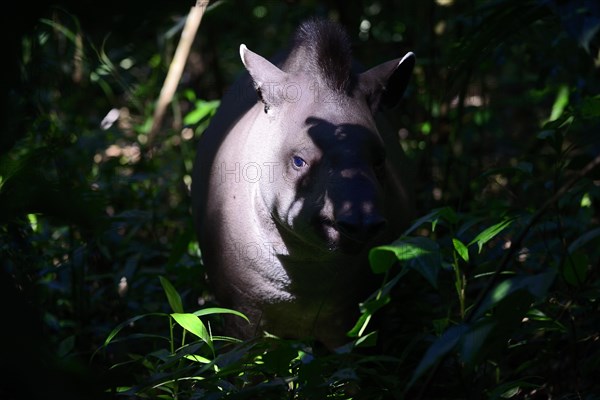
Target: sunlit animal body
{"points": [[293, 186]]}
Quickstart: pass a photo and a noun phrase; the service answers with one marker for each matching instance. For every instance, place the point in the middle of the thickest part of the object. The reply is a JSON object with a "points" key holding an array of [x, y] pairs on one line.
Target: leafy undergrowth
{"points": [[491, 293]]}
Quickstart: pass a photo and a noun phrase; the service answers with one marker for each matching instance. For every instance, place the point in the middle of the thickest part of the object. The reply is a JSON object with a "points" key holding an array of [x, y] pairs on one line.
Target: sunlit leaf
{"points": [[368, 340], [376, 301], [193, 324], [172, 295], [419, 253], [219, 310], [202, 110], [461, 249], [490, 232], [197, 358], [561, 101]]}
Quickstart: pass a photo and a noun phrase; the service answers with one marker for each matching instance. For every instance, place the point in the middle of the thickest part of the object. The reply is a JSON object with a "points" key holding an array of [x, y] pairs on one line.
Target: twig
{"points": [[176, 68]]}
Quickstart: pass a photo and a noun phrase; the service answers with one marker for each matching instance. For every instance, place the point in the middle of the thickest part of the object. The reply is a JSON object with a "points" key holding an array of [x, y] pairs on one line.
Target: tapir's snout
{"points": [[359, 226], [355, 206]]}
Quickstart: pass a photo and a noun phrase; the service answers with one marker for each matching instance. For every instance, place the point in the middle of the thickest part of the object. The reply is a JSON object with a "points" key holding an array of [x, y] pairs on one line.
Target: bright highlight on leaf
{"points": [[193, 324], [418, 253], [489, 233], [461, 249], [203, 109], [172, 295], [562, 100]]}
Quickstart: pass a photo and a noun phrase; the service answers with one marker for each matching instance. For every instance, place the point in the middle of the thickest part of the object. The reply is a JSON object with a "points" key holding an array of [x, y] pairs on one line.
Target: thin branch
{"points": [[177, 65]]}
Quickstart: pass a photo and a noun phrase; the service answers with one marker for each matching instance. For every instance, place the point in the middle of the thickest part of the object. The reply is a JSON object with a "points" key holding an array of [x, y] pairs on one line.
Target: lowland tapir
{"points": [[294, 183]]}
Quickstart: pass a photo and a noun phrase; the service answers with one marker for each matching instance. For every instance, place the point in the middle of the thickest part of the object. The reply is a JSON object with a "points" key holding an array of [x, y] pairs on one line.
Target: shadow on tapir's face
{"points": [[338, 190]]}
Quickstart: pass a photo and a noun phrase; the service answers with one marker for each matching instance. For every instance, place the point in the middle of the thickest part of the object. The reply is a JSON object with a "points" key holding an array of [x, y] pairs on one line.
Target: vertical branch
{"points": [[176, 68]]}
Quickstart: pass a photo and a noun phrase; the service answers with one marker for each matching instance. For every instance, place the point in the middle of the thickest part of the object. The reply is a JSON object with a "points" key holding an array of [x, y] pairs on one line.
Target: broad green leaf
{"points": [[172, 295], [461, 249], [489, 233], [193, 324], [418, 253]]}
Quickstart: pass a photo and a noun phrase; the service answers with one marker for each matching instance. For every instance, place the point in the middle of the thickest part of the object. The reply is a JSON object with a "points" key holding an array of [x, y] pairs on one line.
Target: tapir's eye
{"points": [[298, 162]]}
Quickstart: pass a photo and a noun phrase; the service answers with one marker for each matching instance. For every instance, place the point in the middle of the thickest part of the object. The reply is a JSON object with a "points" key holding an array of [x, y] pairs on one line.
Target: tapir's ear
{"points": [[267, 77], [385, 84]]}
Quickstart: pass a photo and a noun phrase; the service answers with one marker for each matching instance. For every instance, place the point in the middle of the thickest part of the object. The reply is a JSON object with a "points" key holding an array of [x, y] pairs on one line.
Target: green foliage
{"points": [[491, 293]]}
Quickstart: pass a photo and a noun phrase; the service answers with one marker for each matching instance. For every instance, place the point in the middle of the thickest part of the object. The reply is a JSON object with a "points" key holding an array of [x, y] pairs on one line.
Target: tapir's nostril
{"points": [[361, 230]]}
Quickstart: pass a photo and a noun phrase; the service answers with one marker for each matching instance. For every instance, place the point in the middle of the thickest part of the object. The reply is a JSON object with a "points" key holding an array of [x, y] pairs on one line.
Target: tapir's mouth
{"points": [[327, 236], [340, 241]]}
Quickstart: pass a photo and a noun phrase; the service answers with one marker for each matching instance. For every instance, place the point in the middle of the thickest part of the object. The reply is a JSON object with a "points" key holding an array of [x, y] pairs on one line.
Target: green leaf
{"points": [[535, 285], [446, 213], [419, 253], [172, 295], [193, 324], [491, 232], [197, 358], [442, 346], [376, 301], [561, 101], [461, 249], [368, 308], [368, 340], [128, 322], [202, 110], [219, 310]]}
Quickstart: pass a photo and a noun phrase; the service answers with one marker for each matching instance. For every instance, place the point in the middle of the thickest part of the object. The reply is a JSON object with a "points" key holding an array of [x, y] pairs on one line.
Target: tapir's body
{"points": [[291, 188]]}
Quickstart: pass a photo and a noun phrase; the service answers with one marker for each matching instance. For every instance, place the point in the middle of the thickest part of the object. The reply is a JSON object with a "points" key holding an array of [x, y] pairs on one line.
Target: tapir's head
{"points": [[328, 161]]}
